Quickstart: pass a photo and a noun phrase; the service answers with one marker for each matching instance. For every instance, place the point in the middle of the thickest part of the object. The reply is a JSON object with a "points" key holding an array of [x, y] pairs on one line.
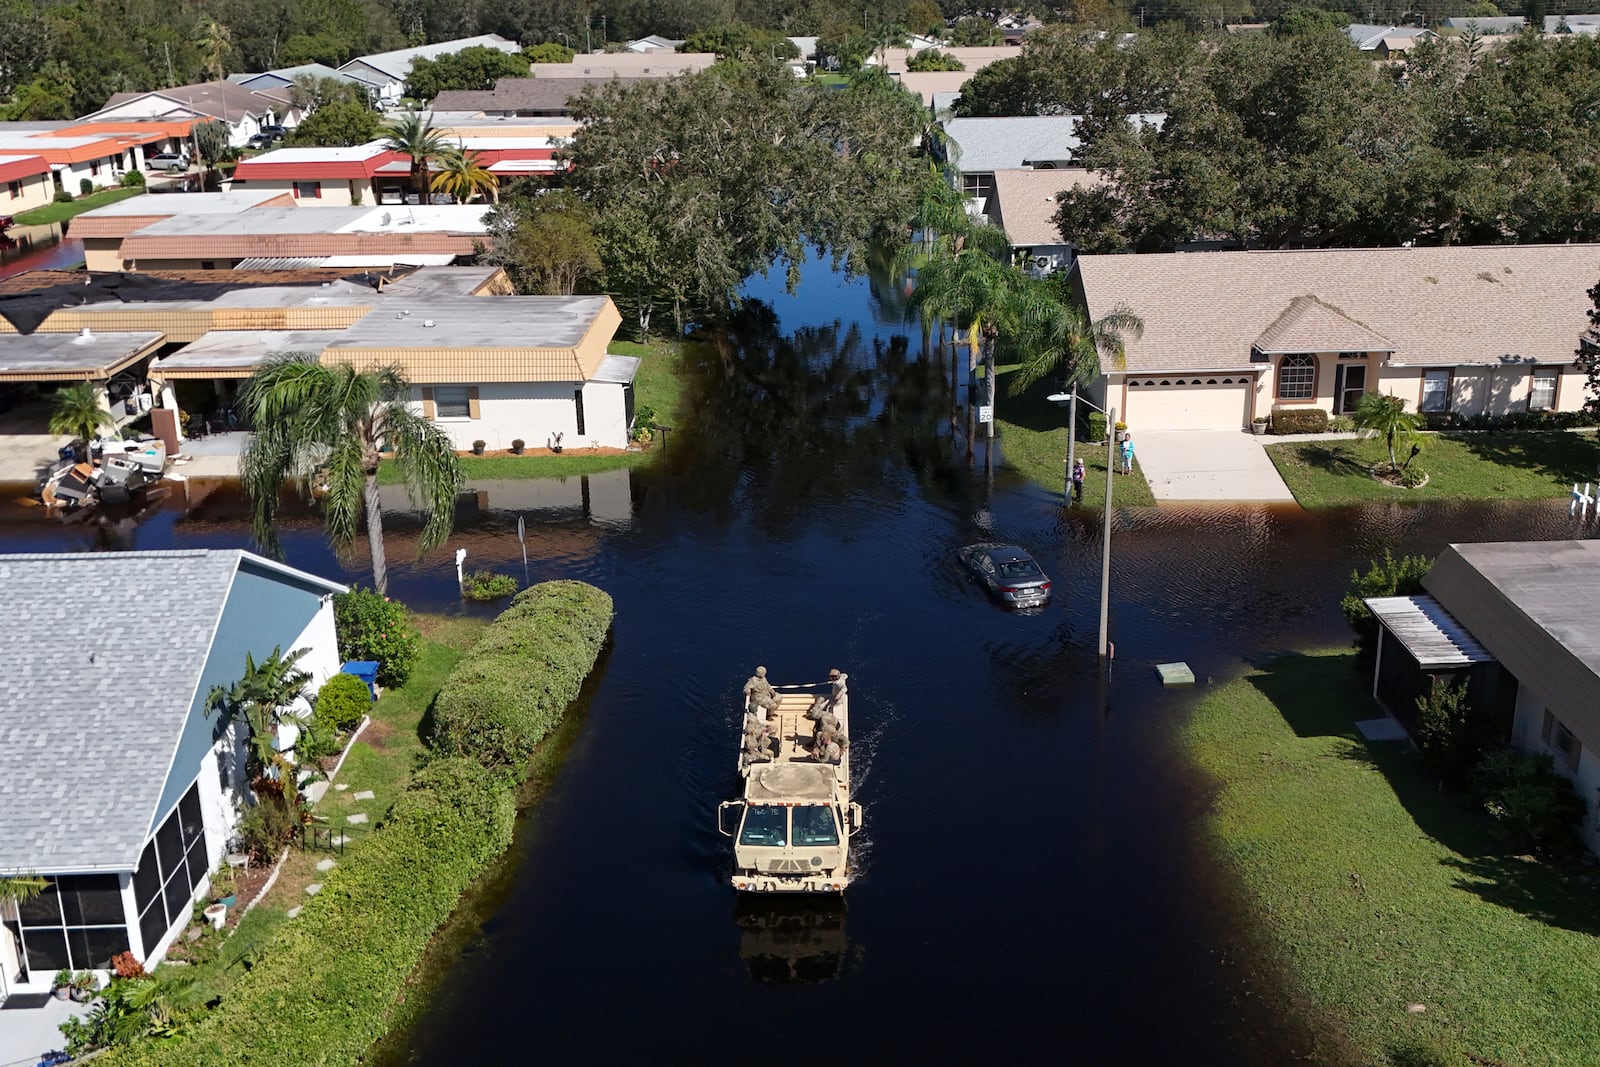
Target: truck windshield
{"points": [[813, 825], [765, 824]]}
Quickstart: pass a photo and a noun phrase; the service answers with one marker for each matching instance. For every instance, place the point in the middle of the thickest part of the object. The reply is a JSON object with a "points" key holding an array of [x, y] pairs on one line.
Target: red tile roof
{"points": [[15, 168]]}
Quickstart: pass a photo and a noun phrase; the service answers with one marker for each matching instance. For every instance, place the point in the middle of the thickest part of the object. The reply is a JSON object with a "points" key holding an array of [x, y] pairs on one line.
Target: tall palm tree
{"points": [[415, 138], [1382, 415], [339, 419], [1065, 337], [80, 411], [215, 41], [463, 175]]}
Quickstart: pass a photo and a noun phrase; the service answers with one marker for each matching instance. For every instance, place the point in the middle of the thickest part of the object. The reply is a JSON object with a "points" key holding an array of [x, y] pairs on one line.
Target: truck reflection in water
{"points": [[792, 940]]}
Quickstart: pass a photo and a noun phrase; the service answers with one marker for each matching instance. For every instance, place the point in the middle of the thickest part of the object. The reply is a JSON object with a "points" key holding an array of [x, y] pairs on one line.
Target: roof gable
{"points": [[1310, 325]]}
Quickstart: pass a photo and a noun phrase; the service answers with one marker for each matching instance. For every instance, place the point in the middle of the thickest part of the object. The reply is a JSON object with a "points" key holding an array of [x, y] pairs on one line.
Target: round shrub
{"points": [[133, 179], [373, 627], [516, 683], [85, 186], [341, 702]]}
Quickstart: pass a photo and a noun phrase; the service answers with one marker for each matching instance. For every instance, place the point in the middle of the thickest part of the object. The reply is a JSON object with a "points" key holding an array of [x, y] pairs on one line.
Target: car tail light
{"points": [[1045, 588]]}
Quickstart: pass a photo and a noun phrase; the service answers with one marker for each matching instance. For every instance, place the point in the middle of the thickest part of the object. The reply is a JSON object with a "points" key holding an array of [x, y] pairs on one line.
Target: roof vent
{"points": [[428, 323]]}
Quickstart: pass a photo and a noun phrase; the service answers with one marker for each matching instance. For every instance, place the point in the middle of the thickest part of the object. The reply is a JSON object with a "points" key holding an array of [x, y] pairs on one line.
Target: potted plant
{"points": [[517, 445], [478, 447], [1121, 431], [216, 915], [83, 986], [61, 985], [1258, 425]]}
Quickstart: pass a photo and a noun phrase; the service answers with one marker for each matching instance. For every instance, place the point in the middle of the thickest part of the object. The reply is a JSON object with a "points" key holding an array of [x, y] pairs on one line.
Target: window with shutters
{"points": [[452, 402]]}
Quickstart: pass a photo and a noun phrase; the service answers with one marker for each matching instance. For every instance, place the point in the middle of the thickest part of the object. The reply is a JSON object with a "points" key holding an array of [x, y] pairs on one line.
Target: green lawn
{"points": [[1494, 465], [657, 387], [1033, 441], [1379, 893], [43, 216]]}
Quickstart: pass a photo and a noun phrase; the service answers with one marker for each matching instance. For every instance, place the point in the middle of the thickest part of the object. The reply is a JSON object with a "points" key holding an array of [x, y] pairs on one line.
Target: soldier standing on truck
{"points": [[758, 693]]}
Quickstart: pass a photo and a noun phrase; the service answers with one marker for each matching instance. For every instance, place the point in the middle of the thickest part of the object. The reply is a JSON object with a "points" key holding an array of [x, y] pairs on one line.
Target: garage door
{"points": [[1211, 402]]}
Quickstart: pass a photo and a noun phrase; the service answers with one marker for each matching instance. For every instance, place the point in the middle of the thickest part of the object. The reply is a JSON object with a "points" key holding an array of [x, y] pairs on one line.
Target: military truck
{"points": [[791, 829]]}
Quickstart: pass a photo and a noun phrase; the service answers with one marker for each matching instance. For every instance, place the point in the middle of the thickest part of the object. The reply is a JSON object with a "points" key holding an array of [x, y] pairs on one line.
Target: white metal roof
{"points": [[1429, 632]]}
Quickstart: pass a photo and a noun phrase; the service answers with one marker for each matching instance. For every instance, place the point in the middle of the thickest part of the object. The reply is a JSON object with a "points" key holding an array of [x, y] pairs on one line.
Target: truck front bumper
{"points": [[767, 883]]}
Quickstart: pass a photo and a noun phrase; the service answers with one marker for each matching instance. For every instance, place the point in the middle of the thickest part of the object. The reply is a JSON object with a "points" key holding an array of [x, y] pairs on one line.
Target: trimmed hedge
{"points": [[1513, 420], [1299, 420], [328, 985], [341, 702], [516, 683]]}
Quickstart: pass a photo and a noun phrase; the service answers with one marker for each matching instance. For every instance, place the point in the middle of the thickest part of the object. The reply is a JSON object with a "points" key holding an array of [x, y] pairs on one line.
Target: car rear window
{"points": [[1019, 568]]}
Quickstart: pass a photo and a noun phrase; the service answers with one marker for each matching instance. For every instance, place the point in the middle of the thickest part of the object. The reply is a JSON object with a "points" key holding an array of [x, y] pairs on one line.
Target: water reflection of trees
{"points": [[778, 423]]}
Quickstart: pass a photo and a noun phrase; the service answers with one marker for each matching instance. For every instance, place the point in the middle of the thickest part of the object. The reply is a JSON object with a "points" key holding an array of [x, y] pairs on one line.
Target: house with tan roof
{"points": [[244, 110], [1023, 203], [1229, 336]]}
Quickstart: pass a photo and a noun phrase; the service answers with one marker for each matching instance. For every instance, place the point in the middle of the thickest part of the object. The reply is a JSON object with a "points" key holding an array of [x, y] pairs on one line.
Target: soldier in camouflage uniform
{"points": [[757, 739], [759, 694]]}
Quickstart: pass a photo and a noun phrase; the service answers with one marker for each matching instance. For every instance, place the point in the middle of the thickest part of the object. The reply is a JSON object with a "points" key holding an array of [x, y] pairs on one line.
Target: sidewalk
{"points": [[1217, 465]]}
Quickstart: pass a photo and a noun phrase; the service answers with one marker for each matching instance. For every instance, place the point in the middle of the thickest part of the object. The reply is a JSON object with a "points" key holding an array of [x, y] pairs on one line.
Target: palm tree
{"points": [[215, 42], [340, 419], [1065, 335], [1378, 414], [260, 698], [80, 411], [414, 137], [463, 175]]}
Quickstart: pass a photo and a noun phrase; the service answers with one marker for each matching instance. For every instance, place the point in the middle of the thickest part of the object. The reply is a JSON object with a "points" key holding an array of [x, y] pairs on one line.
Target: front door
{"points": [[1349, 382]]}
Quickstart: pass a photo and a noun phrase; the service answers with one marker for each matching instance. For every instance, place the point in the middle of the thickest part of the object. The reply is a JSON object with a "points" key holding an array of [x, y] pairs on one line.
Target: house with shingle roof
{"points": [[1229, 336], [385, 73], [244, 110], [116, 786]]}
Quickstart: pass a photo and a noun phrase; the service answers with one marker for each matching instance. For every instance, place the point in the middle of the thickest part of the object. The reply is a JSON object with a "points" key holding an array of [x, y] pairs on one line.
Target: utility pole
{"points": [[1105, 538]]}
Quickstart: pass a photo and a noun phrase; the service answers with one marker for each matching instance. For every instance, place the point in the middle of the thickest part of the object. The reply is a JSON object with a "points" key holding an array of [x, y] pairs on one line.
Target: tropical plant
{"points": [[338, 420], [487, 585], [80, 411], [215, 42], [1063, 337], [19, 887], [1532, 803], [1386, 577], [261, 698], [1381, 415], [462, 174], [414, 137]]}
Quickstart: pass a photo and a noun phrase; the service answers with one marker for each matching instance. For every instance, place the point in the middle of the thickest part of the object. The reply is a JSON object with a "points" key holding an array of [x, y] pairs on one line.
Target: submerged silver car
{"points": [[1009, 573]]}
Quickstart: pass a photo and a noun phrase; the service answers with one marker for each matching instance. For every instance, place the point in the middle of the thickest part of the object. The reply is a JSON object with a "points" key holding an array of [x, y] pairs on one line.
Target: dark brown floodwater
{"points": [[1035, 887]]}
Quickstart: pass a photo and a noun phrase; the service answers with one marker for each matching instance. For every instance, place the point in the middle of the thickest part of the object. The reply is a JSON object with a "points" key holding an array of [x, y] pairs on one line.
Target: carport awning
{"points": [[1430, 633], [71, 357]]}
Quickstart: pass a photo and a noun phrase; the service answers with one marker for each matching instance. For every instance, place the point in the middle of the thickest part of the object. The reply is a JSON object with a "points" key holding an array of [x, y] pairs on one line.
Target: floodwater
{"points": [[25, 248], [1033, 883]]}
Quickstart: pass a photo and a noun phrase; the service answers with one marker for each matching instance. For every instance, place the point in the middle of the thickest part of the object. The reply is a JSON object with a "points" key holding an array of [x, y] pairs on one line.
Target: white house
{"points": [[119, 790], [385, 73], [1516, 620], [244, 110]]}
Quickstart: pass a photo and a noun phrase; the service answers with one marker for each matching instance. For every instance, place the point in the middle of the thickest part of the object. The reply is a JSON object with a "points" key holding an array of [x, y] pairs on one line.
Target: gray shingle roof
{"points": [[96, 683], [989, 144]]}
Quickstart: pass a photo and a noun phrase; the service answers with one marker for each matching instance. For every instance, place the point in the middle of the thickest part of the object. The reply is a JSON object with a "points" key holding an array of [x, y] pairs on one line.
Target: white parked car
{"points": [[167, 160]]}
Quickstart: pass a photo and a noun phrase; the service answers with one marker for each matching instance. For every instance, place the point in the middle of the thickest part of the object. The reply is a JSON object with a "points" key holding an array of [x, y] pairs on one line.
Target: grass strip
{"points": [[64, 210], [1033, 442], [1384, 894], [1487, 465]]}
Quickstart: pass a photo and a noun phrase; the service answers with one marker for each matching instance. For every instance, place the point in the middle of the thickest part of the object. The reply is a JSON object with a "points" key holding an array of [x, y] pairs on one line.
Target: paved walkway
{"points": [[1221, 465], [28, 1033]]}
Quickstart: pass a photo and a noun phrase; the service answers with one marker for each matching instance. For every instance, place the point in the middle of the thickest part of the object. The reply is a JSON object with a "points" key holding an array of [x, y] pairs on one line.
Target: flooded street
{"points": [[25, 248], [1033, 887]]}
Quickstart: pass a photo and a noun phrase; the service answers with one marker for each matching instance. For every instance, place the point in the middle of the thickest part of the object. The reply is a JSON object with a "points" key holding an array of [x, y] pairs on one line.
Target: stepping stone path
{"points": [[360, 816], [313, 889], [292, 912], [341, 787], [326, 865], [366, 794], [341, 840]]}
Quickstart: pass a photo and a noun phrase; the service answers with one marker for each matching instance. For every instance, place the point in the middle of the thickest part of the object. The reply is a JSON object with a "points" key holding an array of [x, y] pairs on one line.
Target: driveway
{"points": [[1220, 465]]}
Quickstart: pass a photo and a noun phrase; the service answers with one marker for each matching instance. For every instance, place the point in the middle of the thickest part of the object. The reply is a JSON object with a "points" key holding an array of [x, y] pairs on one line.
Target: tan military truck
{"points": [[791, 830]]}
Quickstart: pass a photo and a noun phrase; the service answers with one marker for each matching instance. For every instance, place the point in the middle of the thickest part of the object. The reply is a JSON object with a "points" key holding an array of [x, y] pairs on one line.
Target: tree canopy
{"points": [[699, 182], [340, 124], [471, 68], [732, 39]]}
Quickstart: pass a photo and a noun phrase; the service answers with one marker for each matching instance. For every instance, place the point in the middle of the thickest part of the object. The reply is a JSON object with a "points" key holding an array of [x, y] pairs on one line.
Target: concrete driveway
{"points": [[1218, 465]]}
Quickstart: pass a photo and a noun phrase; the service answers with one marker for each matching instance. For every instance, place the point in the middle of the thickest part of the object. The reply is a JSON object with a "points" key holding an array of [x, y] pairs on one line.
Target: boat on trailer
{"points": [[792, 827]]}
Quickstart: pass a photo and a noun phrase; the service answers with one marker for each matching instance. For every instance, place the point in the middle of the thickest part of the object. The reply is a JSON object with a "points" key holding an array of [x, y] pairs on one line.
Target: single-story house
{"points": [[654, 43], [1387, 40], [937, 89], [1037, 142], [374, 174], [1024, 206], [1517, 621], [973, 59], [27, 182], [283, 78], [116, 786], [385, 73], [1514, 24], [99, 152], [1229, 336], [542, 97], [103, 229], [627, 65], [244, 110]]}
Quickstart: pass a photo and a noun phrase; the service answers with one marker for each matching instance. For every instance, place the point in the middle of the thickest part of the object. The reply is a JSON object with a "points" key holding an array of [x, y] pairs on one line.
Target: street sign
{"points": [[985, 413]]}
